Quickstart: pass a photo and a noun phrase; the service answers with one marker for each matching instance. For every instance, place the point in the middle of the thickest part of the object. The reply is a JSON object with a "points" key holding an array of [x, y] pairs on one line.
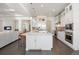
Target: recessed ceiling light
{"points": [[53, 10], [9, 9], [18, 15], [42, 5]]}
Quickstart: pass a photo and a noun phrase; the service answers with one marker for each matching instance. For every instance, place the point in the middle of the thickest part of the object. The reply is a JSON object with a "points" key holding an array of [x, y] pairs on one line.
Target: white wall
{"points": [[1, 25], [76, 26], [9, 21], [22, 22], [12, 21], [51, 24]]}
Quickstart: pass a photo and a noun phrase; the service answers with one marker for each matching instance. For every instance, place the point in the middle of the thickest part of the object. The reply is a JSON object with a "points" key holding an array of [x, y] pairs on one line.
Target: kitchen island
{"points": [[39, 41]]}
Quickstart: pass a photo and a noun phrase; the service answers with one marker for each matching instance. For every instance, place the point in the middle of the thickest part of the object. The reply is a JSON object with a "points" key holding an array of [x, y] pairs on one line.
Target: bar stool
{"points": [[21, 41]]}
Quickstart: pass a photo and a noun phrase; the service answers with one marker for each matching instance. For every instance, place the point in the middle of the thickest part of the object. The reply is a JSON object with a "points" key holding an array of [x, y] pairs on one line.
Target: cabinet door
{"points": [[30, 42], [61, 35], [69, 14], [38, 42], [46, 42], [62, 20], [58, 35]]}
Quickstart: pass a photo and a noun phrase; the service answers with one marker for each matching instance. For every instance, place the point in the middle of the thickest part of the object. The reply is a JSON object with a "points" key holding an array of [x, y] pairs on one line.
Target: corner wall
{"points": [[76, 26]]}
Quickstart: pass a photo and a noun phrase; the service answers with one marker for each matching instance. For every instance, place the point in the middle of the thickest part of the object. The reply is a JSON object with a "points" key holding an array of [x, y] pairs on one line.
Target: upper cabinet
{"points": [[62, 18], [66, 16], [68, 8], [57, 19], [69, 14]]}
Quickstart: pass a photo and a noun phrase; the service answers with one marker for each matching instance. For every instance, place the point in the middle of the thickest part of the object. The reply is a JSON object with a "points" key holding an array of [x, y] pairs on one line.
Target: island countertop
{"points": [[39, 33]]}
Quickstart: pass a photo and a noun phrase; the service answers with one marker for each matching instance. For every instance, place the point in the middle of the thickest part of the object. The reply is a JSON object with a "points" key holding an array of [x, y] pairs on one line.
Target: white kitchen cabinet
{"points": [[7, 38], [32, 43], [72, 16], [68, 8], [61, 35], [68, 14], [62, 18], [39, 41], [57, 19]]}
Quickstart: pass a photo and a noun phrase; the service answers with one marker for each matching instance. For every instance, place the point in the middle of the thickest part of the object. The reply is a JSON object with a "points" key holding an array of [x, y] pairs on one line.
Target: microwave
{"points": [[69, 26]]}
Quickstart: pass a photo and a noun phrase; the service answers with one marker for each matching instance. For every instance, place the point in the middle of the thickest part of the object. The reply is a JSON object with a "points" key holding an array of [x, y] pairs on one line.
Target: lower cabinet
{"points": [[39, 42], [61, 35], [7, 38]]}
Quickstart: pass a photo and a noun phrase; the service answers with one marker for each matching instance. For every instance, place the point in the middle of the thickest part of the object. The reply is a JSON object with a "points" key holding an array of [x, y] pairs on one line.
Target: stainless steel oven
{"points": [[69, 37], [69, 33]]}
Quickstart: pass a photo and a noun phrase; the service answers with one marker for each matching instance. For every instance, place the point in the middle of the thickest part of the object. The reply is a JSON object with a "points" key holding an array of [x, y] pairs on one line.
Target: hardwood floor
{"points": [[13, 49], [19, 49], [60, 48]]}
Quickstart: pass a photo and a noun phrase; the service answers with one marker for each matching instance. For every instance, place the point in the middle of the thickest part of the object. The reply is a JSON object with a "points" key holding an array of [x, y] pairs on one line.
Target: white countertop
{"points": [[39, 33]]}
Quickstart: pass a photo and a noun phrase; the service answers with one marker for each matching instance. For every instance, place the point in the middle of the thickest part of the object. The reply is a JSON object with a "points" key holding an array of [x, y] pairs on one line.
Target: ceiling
{"points": [[45, 9], [13, 9], [31, 9]]}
